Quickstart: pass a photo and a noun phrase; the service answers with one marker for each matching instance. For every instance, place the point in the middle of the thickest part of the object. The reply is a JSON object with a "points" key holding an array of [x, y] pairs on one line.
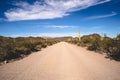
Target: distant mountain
{"points": [[94, 36], [59, 38]]}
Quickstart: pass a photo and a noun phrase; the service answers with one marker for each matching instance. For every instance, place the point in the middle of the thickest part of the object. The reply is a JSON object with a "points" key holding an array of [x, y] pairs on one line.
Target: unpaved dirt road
{"points": [[62, 61]]}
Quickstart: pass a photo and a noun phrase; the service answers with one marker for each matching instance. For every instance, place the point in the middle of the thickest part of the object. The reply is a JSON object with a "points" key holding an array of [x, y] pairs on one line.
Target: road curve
{"points": [[62, 61]]}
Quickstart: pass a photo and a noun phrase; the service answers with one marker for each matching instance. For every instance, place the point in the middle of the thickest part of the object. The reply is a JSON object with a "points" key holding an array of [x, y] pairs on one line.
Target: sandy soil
{"points": [[62, 61]]}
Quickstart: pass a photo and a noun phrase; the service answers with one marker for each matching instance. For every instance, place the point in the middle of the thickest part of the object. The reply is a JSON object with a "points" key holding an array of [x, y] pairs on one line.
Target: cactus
{"points": [[79, 38], [117, 37], [103, 36]]}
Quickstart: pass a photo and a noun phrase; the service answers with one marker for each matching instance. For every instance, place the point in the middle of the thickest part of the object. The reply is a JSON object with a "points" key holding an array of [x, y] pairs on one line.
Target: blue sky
{"points": [[56, 18]]}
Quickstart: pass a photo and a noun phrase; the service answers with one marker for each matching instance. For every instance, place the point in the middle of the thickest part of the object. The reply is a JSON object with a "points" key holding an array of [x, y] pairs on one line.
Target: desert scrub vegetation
{"points": [[95, 42], [14, 48]]}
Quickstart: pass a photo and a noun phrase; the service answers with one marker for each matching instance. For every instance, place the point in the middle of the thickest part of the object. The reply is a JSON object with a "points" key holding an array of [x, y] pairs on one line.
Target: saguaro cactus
{"points": [[118, 37], [103, 36], [79, 35]]}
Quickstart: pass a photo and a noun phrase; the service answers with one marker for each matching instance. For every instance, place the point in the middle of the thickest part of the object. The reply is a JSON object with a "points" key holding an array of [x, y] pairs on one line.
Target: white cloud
{"points": [[49, 9], [54, 26], [101, 16], [59, 26]]}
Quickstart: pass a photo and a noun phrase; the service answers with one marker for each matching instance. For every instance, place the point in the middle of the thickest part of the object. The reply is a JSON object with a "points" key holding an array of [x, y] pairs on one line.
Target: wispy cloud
{"points": [[101, 16], [55, 26], [44, 34], [48, 9], [59, 26]]}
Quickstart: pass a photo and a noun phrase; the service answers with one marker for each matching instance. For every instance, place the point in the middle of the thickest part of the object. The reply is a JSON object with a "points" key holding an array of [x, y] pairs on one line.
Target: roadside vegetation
{"points": [[15, 48], [100, 44]]}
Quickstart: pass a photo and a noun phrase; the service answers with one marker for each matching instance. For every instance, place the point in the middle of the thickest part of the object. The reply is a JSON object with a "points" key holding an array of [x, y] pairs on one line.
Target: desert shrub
{"points": [[91, 41], [38, 47], [112, 48], [12, 55], [118, 37], [108, 45], [95, 45], [13, 48], [94, 42], [74, 41], [44, 45], [22, 50]]}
